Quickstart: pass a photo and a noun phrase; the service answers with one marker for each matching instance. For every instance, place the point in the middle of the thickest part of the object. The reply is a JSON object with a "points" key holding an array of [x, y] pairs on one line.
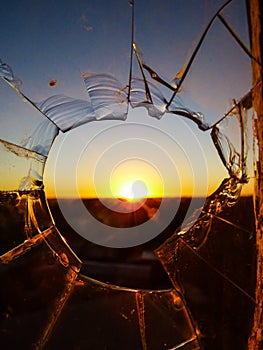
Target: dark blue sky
{"points": [[42, 40]]}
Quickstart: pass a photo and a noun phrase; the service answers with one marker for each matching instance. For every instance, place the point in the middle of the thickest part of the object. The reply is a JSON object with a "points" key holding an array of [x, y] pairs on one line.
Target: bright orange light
{"points": [[135, 179]]}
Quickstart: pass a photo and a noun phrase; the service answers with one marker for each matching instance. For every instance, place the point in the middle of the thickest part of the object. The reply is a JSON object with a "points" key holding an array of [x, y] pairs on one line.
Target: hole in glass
{"points": [[172, 183]]}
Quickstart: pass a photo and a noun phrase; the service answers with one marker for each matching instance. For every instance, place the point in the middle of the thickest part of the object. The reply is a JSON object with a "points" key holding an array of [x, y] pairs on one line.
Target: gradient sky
{"points": [[58, 40]]}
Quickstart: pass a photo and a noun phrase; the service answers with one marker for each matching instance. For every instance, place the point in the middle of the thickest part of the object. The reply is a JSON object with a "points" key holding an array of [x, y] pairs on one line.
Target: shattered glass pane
{"points": [[186, 103]]}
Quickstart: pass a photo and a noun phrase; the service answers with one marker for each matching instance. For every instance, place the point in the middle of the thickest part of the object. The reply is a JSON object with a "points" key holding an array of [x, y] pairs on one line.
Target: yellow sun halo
{"points": [[135, 179]]}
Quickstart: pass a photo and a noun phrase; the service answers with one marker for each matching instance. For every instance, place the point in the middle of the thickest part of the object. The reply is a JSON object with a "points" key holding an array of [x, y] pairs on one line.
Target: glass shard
{"points": [[230, 137], [212, 298], [21, 169], [42, 138], [147, 94], [42, 285], [6, 72], [156, 107], [98, 306], [108, 96], [171, 326]]}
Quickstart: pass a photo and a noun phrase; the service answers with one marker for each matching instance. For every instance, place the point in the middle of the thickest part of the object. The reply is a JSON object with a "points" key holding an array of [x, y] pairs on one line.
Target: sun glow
{"points": [[134, 191], [135, 179]]}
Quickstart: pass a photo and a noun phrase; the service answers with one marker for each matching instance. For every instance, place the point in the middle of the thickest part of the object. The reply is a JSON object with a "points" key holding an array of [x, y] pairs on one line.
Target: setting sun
{"points": [[136, 179], [134, 191]]}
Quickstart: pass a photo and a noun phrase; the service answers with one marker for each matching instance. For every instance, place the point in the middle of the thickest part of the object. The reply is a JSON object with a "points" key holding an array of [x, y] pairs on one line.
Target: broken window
{"points": [[171, 263]]}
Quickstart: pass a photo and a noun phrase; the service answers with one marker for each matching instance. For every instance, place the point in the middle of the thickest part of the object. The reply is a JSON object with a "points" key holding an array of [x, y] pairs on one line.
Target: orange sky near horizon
{"points": [[108, 166]]}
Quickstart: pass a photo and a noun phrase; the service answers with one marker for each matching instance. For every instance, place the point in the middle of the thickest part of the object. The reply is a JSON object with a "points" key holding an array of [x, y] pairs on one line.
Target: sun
{"points": [[135, 179], [134, 191]]}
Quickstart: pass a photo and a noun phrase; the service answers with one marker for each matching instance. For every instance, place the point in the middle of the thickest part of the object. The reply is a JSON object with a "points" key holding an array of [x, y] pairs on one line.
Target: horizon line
{"points": [[125, 199]]}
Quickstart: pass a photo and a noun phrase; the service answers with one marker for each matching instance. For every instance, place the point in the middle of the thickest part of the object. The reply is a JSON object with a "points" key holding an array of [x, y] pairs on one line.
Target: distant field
{"points": [[108, 264]]}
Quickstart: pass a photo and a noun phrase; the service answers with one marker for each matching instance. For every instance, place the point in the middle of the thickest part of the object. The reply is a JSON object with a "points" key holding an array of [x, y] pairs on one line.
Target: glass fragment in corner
{"points": [[126, 178]]}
